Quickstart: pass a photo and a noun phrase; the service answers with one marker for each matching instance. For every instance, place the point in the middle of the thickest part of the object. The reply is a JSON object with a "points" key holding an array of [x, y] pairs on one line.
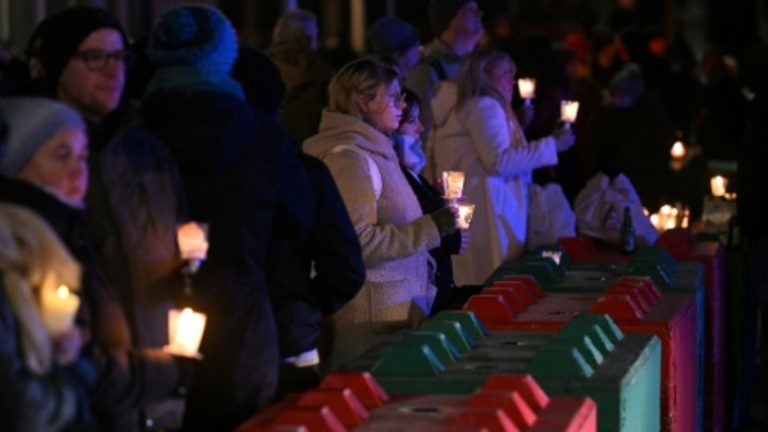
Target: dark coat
{"points": [[332, 250], [126, 379], [244, 180], [134, 203], [431, 200]]}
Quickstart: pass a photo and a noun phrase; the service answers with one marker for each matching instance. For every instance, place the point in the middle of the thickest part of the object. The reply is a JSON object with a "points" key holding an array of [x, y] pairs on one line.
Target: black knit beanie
{"points": [[55, 40]]}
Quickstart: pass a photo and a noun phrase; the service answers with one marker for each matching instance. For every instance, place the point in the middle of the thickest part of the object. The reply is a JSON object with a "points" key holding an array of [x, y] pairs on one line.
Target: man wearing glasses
{"points": [[79, 56]]}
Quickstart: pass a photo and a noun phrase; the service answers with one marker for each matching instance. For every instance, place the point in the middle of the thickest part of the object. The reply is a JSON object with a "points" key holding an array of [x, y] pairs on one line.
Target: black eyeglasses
{"points": [[96, 59]]}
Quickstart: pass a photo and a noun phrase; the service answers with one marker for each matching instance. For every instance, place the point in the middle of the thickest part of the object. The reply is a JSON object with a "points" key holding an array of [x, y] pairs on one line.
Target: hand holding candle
{"points": [[527, 88], [58, 308], [185, 331], [569, 109]]}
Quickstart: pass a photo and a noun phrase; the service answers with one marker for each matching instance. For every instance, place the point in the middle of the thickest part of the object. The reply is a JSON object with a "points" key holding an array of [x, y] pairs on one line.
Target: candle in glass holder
{"points": [[192, 240], [568, 111], [453, 182], [465, 215], [58, 308], [185, 331], [719, 184], [678, 150], [527, 88]]}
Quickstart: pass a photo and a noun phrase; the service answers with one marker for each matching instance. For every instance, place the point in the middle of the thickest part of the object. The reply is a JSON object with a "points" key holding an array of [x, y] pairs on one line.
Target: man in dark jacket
{"points": [[78, 56], [311, 277], [241, 178]]}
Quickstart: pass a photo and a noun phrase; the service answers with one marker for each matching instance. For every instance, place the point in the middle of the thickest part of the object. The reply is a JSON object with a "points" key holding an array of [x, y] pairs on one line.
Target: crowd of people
{"points": [[328, 228]]}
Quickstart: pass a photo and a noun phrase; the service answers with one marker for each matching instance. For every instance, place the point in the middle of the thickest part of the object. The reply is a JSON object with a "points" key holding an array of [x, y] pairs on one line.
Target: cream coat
{"points": [[481, 140], [393, 233]]}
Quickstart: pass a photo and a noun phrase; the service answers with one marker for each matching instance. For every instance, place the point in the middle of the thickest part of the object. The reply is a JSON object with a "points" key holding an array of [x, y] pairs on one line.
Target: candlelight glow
{"points": [[58, 307], [185, 331], [453, 184], [569, 110], [669, 217], [465, 215], [192, 240], [527, 87], [719, 184], [678, 150]]}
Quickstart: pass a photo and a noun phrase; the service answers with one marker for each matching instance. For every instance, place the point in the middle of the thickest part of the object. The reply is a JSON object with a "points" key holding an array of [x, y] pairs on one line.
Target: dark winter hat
{"points": [[389, 34], [257, 74], [194, 35], [31, 123], [442, 12], [55, 40]]}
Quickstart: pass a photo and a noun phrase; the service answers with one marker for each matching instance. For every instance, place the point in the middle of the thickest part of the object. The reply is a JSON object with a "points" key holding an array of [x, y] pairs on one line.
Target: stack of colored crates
{"points": [[354, 400], [634, 304], [453, 354], [654, 263]]}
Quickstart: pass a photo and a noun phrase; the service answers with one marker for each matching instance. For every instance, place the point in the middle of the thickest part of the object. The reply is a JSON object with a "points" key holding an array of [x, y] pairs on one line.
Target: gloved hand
{"points": [[446, 220], [564, 139]]}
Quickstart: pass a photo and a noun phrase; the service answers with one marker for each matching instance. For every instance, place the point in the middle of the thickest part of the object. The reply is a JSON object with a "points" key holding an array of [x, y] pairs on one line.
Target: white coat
{"points": [[480, 139]]}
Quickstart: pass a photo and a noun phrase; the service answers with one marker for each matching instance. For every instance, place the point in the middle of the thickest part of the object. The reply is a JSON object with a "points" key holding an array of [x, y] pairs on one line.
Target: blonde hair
{"points": [[360, 78], [474, 76]]}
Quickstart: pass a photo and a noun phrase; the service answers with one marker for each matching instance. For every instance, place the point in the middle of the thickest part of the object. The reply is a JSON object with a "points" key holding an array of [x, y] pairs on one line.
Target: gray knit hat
{"points": [[31, 123], [442, 12]]}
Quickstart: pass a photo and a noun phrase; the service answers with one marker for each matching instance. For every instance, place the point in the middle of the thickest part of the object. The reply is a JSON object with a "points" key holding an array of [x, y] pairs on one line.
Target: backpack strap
{"points": [[373, 170], [437, 67]]}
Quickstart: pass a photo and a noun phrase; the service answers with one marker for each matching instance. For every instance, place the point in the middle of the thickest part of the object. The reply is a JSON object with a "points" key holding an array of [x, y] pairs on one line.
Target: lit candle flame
{"points": [[678, 150]]}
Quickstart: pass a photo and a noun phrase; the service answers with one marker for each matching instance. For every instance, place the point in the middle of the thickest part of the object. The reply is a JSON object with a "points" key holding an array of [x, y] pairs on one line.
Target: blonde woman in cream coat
{"points": [[354, 142], [475, 131]]}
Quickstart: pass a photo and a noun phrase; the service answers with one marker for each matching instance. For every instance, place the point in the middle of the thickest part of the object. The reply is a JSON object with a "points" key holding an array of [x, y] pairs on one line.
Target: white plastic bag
{"points": [[600, 206], [549, 215]]}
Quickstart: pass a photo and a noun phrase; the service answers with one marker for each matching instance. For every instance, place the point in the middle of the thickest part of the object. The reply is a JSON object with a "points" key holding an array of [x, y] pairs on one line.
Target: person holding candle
{"points": [[241, 176], [355, 143], [80, 56], [36, 391], [310, 277], [411, 157], [476, 132], [43, 169]]}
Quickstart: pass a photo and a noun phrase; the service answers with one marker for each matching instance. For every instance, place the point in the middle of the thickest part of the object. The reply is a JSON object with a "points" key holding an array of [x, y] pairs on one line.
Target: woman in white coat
{"points": [[354, 142], [477, 132]]}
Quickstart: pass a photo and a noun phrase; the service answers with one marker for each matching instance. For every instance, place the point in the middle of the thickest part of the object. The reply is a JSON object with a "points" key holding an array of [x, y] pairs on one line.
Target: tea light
{"points": [[678, 150], [465, 215], [58, 308], [193, 243], [527, 88], [568, 111], [453, 182], [719, 184], [185, 331]]}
